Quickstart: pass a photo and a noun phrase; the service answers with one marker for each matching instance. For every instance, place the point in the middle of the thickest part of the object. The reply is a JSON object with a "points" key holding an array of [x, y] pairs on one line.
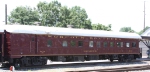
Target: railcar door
{"points": [[33, 44]]}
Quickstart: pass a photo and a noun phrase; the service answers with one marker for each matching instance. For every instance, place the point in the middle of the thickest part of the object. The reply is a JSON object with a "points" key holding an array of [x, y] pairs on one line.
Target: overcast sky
{"points": [[119, 13]]}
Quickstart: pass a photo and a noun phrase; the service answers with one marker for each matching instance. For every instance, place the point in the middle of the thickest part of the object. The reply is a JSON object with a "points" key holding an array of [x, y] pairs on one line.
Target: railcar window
{"points": [[98, 44], [121, 43], [118, 44], [127, 44], [64, 44], [49, 43], [134, 44], [80, 43], [105, 44], [90, 44], [73, 43], [111, 44]]}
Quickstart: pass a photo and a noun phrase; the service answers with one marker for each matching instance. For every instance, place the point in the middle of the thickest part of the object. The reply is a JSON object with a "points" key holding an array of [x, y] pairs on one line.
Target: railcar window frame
{"points": [[98, 44], [80, 42], [111, 44], [73, 43], [49, 43], [64, 43], [134, 45], [128, 44], [118, 44], [91, 44], [121, 44], [105, 44]]}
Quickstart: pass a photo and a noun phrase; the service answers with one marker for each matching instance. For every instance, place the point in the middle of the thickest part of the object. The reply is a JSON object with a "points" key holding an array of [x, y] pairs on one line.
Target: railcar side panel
{"points": [[48, 45], [56, 47], [23, 45]]}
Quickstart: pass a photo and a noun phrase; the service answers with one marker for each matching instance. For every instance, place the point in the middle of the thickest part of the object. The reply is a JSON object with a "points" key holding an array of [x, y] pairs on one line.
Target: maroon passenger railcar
{"points": [[34, 45]]}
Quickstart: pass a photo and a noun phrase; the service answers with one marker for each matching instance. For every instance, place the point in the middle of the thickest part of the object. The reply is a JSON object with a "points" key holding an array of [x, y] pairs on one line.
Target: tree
{"points": [[147, 27], [101, 27], [54, 14], [126, 29], [64, 18], [79, 18], [49, 12], [24, 15]]}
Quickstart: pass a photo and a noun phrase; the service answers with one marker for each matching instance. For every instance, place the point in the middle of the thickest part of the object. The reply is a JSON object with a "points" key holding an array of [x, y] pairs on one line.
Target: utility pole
{"points": [[144, 17], [6, 14]]}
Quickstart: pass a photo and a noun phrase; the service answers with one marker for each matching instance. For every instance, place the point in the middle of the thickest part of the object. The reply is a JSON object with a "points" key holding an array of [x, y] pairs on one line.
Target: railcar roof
{"points": [[29, 29]]}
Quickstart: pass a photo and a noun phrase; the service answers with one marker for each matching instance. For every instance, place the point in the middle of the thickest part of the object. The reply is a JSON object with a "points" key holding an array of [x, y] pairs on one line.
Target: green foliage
{"points": [[24, 15], [129, 29], [126, 29], [147, 27], [79, 18], [101, 27], [54, 14], [49, 12]]}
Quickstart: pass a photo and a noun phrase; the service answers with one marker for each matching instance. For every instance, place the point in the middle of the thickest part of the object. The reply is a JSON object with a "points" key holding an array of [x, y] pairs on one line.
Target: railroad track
{"points": [[73, 64], [68, 64], [135, 68]]}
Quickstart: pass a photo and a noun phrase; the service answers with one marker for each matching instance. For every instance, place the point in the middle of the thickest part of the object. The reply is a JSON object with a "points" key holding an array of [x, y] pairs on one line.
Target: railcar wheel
{"points": [[121, 59], [111, 60], [17, 63], [33, 60], [40, 61], [28, 62], [130, 58], [23, 62], [44, 60]]}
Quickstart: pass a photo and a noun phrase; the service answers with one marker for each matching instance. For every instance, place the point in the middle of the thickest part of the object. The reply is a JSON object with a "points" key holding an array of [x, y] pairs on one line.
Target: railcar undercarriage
{"points": [[34, 61]]}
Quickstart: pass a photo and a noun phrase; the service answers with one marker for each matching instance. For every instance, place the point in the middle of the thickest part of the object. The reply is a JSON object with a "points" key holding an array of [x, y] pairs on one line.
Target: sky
{"points": [[119, 13]]}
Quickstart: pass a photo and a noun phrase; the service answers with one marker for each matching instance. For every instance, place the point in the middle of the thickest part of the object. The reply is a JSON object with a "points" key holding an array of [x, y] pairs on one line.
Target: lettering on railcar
{"points": [[90, 50], [111, 38], [49, 36], [130, 50], [82, 37], [107, 38], [76, 37], [55, 36], [42, 51]]}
